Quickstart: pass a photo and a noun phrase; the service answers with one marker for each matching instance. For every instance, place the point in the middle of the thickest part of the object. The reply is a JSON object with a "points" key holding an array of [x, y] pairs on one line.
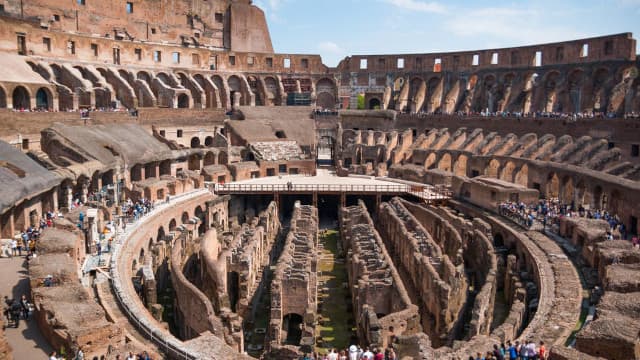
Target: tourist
{"points": [[497, 353], [391, 355], [79, 354], [377, 354], [479, 356], [353, 352], [14, 247], [532, 353], [542, 351], [512, 350], [24, 304], [332, 355], [53, 355], [367, 355], [131, 356], [343, 355]]}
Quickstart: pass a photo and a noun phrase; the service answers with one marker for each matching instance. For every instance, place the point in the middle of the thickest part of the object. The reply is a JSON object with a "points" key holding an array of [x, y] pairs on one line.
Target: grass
{"points": [[336, 328]]}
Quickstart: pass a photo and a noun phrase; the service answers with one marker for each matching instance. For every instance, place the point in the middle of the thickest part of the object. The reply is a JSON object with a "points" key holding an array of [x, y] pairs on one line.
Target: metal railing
{"points": [[423, 192], [165, 343]]}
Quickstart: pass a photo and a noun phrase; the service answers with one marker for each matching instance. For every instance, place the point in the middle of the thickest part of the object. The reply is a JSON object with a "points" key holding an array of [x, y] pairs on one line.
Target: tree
{"points": [[361, 102]]}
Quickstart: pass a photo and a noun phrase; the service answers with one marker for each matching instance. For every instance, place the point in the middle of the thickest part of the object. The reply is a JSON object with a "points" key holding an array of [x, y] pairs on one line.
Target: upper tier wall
{"points": [[603, 48]]}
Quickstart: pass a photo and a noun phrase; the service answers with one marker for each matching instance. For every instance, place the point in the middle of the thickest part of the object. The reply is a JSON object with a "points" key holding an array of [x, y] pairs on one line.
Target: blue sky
{"points": [[338, 28]]}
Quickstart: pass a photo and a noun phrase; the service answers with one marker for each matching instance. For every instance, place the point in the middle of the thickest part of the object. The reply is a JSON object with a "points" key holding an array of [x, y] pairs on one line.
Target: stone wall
{"points": [[294, 284], [382, 307], [435, 283]]}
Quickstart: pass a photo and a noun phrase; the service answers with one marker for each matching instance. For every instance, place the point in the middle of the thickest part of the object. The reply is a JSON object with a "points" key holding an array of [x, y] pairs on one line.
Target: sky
{"points": [[339, 28]]}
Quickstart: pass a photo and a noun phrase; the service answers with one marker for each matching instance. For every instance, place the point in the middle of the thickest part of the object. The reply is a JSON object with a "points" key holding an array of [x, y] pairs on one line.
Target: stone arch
{"points": [[326, 93], [224, 93], [223, 158], [256, 89], [430, 161], [183, 101], [172, 225], [195, 142], [434, 94], [209, 90], [460, 166], [209, 158], [417, 94], [194, 162], [498, 240], [597, 197], [165, 167], [126, 75], [208, 141], [201, 214], [235, 86], [551, 81], [552, 188], [164, 78], [615, 202], [600, 81], [292, 327], [567, 190], [271, 91], [488, 96], [506, 173], [161, 234], [492, 168], [445, 162], [3, 97], [144, 76], [21, 98], [185, 218], [522, 176], [575, 83], [374, 104], [581, 195], [44, 98]]}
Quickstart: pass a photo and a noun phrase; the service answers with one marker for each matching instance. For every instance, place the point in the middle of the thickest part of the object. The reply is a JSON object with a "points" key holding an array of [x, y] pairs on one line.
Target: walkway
{"points": [[328, 182], [26, 341]]}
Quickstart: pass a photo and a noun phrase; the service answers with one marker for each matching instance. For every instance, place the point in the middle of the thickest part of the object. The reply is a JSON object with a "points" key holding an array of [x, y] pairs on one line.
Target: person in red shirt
{"points": [[542, 351], [378, 355]]}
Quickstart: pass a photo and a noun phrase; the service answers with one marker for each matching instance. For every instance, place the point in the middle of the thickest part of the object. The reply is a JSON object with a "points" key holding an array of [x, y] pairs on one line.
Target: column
{"points": [[85, 191], [69, 191], [54, 200]]}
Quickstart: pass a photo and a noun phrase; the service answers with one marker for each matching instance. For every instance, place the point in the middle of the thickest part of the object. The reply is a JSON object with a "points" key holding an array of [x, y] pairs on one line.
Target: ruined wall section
{"points": [[435, 284], [194, 310], [382, 306], [294, 284], [468, 244], [249, 254]]}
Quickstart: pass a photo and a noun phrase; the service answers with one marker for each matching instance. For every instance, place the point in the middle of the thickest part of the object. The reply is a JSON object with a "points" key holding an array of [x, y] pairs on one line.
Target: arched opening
{"points": [[185, 218], [3, 98], [21, 98], [492, 169], [553, 186], [161, 234], [195, 142], [582, 197], [233, 286], [460, 167], [522, 176], [615, 203], [172, 225], [136, 173], [445, 162], [292, 325], [144, 76], [183, 101], [235, 87], [597, 197], [208, 141], [430, 161], [567, 193], [374, 104], [200, 214], [222, 158], [42, 99], [209, 159], [325, 90], [165, 167], [194, 162], [507, 171], [498, 240]]}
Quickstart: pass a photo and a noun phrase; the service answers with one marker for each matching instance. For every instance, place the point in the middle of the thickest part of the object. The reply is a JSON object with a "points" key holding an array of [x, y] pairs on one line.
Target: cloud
{"points": [[519, 25], [418, 5], [330, 47]]}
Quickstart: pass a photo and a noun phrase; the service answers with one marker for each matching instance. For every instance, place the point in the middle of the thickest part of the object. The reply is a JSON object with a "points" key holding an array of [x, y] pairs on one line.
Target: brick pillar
{"points": [[85, 191], [69, 192], [54, 200]]}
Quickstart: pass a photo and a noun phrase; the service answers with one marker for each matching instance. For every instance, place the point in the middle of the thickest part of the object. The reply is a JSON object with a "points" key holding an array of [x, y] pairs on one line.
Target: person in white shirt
{"points": [[367, 355], [353, 352], [333, 355]]}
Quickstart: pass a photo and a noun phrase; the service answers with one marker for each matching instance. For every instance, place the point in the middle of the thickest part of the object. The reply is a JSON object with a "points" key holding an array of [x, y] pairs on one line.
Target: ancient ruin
{"points": [[190, 193]]}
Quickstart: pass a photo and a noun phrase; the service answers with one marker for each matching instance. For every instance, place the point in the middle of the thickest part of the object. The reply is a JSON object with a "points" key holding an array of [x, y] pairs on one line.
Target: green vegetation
{"points": [[335, 319], [361, 102]]}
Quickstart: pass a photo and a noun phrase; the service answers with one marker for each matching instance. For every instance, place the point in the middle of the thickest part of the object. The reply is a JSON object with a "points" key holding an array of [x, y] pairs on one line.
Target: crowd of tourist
{"points": [[354, 352], [534, 114], [325, 112], [548, 212], [512, 351], [132, 211]]}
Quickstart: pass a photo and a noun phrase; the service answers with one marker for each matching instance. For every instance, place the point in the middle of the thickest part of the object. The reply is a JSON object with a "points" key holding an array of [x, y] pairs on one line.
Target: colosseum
{"points": [[172, 187]]}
